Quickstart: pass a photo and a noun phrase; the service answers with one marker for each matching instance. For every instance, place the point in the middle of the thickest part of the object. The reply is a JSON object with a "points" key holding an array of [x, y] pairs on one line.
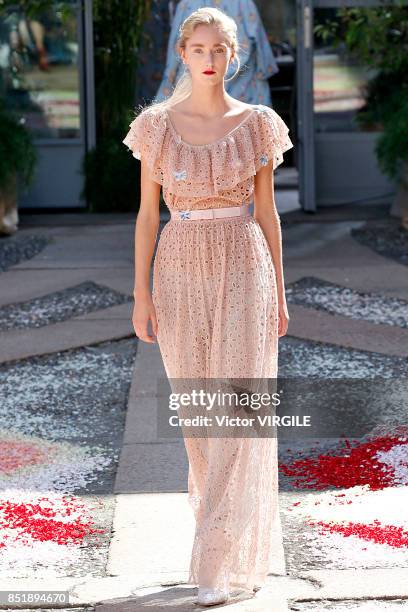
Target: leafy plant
{"points": [[392, 146], [376, 35], [35, 8], [378, 38], [110, 181], [110, 178], [18, 154]]}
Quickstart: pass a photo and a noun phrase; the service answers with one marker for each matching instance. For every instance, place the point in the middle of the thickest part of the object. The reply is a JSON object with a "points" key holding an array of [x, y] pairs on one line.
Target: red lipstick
{"points": [[209, 72]]}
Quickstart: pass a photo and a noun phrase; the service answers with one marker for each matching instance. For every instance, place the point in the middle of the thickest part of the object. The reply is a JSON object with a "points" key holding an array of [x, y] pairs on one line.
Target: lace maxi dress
{"points": [[214, 292]]}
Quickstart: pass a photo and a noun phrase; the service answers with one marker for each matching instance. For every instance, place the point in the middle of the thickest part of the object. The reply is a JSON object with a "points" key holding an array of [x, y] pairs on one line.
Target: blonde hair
{"points": [[206, 15]]}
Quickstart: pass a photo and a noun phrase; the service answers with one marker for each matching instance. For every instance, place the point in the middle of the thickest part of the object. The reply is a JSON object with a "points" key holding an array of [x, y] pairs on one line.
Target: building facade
{"points": [[46, 68]]}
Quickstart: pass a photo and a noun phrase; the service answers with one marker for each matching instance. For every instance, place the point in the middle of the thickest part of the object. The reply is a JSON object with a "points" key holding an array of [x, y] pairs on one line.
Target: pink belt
{"points": [[210, 213]]}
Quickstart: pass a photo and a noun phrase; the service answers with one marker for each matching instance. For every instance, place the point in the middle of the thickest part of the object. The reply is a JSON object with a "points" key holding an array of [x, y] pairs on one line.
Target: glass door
{"points": [[43, 64], [337, 160]]}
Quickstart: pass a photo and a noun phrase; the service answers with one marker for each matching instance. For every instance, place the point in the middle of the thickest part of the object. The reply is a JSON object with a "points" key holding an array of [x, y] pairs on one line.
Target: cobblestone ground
{"points": [[386, 237], [335, 299], [82, 299], [15, 249], [62, 419], [342, 497]]}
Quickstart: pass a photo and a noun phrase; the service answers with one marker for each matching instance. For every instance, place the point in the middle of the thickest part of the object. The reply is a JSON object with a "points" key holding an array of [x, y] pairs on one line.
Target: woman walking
{"points": [[218, 303]]}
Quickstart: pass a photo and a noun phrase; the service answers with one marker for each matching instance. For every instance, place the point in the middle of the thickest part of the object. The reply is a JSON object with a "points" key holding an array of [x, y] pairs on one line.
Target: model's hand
{"points": [[143, 311], [283, 318]]}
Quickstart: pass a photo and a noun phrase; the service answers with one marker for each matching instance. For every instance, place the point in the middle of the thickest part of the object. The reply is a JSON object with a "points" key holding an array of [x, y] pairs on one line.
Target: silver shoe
{"points": [[210, 597]]}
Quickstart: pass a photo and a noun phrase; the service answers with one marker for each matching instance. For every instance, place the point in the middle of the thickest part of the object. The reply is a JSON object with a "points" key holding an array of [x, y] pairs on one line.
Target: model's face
{"points": [[207, 50]]}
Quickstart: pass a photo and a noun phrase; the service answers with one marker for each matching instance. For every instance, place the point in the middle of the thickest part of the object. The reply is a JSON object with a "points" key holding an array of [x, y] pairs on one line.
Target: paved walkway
{"points": [[141, 561]]}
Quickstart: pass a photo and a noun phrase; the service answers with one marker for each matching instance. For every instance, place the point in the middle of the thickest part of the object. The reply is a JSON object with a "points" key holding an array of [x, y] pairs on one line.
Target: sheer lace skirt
{"points": [[214, 291]]}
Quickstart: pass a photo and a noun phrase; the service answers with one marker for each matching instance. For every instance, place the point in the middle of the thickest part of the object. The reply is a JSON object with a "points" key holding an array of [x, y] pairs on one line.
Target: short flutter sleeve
{"points": [[134, 138], [145, 139], [271, 138]]}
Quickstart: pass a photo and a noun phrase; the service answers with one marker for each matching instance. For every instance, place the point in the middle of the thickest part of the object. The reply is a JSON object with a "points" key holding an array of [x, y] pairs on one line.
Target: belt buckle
{"points": [[185, 214]]}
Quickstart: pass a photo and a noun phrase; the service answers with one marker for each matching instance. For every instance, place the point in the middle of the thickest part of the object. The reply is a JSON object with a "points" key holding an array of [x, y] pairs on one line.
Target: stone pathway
{"points": [[93, 502]]}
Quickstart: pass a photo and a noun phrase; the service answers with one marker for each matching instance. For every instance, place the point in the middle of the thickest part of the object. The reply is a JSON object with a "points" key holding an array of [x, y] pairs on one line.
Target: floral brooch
{"points": [[180, 175], [185, 214]]}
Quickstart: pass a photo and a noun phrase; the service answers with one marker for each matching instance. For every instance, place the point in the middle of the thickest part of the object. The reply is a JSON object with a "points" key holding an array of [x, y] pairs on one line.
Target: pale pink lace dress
{"points": [[214, 292]]}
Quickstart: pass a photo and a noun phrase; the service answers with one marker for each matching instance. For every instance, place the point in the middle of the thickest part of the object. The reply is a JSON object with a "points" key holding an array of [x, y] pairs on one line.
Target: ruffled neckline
{"points": [[208, 169], [180, 140]]}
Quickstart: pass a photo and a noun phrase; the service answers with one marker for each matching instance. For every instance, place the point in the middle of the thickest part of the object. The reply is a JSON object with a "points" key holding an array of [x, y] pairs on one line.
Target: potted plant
{"points": [[378, 38], [110, 182], [392, 152], [18, 158]]}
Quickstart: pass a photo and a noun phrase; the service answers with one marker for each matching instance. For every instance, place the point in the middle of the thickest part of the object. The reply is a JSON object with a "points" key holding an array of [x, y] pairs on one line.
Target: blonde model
{"points": [[218, 305]]}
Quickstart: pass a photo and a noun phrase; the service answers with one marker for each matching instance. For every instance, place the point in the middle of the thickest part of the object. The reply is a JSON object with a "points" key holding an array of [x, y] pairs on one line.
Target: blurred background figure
{"points": [[26, 36], [257, 59]]}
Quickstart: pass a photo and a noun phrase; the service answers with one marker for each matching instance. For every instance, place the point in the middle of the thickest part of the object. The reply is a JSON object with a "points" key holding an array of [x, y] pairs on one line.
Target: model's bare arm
{"points": [[147, 226], [267, 216]]}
